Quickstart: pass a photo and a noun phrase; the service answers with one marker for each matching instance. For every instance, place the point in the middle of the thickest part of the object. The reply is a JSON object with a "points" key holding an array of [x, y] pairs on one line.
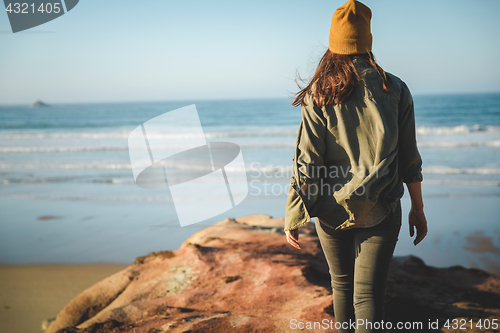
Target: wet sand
{"points": [[31, 293]]}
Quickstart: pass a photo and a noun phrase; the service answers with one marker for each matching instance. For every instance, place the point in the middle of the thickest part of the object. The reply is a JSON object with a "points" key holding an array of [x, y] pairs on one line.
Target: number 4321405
{"points": [[462, 324], [24, 8]]}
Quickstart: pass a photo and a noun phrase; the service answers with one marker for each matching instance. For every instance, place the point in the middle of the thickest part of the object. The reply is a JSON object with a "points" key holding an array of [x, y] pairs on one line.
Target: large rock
{"points": [[241, 276], [39, 104]]}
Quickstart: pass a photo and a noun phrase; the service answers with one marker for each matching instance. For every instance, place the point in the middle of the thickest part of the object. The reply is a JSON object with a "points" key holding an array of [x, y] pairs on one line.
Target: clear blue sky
{"points": [[164, 50]]}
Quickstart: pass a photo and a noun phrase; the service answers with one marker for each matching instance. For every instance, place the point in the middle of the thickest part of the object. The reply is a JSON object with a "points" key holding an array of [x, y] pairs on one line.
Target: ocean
{"points": [[67, 191]]}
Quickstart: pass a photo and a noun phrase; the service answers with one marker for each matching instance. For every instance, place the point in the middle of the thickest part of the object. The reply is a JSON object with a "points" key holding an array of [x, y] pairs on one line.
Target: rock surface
{"points": [[240, 275]]}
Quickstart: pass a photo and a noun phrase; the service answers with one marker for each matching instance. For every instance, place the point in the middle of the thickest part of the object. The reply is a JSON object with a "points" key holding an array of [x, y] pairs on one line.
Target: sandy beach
{"points": [[31, 293]]}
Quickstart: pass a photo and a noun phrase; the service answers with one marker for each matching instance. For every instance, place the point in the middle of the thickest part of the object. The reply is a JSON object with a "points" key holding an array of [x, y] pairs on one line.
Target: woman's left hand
{"points": [[292, 237]]}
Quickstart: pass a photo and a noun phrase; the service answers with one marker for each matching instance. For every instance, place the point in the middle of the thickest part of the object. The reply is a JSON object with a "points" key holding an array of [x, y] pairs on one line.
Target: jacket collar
{"points": [[360, 63]]}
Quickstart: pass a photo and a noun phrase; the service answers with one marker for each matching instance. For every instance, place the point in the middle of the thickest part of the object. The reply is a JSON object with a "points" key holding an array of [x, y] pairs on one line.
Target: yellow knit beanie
{"points": [[350, 30]]}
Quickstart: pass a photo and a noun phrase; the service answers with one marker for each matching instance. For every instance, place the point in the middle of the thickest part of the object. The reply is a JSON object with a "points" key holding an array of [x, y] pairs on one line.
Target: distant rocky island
{"points": [[39, 104], [240, 275]]}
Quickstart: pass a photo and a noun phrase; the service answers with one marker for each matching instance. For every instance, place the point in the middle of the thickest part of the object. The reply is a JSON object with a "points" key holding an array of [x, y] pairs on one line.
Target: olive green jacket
{"points": [[354, 156]]}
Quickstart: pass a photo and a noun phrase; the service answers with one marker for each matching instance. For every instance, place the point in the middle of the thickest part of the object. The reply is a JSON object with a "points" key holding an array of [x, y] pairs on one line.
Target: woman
{"points": [[355, 148]]}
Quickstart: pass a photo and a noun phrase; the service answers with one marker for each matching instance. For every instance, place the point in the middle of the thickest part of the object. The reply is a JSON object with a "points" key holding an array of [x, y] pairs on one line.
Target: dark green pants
{"points": [[359, 260]]}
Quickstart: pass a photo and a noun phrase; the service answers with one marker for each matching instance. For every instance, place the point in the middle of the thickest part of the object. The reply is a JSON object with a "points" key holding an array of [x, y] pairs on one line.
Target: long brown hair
{"points": [[335, 79]]}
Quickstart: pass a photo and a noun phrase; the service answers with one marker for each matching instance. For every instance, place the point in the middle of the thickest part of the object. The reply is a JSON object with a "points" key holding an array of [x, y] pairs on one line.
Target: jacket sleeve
{"points": [[308, 166], [410, 162]]}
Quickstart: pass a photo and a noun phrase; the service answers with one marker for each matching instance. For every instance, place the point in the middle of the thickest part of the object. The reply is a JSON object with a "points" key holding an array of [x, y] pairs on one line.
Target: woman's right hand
{"points": [[292, 237], [417, 221]]}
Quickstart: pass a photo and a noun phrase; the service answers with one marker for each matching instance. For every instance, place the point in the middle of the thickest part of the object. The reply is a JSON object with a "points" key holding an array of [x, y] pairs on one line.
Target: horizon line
{"points": [[214, 99]]}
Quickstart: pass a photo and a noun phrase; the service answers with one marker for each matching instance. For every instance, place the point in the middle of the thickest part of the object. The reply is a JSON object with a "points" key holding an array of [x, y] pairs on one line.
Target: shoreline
{"points": [[31, 293]]}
